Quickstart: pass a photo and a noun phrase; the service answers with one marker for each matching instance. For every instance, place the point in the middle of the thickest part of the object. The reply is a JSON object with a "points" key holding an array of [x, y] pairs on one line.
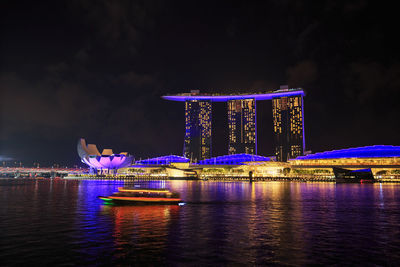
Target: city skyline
{"points": [[204, 133], [96, 69]]}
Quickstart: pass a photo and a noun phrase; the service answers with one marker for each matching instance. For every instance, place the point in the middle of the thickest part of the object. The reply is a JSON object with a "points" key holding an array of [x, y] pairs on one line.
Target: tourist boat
{"points": [[142, 196], [353, 176]]}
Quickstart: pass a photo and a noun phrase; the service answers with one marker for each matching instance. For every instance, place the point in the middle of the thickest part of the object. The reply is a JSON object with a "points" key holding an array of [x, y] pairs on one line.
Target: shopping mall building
{"points": [[383, 160]]}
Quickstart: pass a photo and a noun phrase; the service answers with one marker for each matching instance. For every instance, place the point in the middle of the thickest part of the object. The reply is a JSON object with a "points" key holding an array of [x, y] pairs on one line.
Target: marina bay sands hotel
{"points": [[287, 113]]}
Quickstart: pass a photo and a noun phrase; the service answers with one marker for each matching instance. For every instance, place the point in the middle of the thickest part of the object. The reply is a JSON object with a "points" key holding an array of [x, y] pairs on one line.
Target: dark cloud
{"points": [[118, 25], [97, 69], [368, 80], [47, 104], [302, 74], [53, 108], [134, 79]]}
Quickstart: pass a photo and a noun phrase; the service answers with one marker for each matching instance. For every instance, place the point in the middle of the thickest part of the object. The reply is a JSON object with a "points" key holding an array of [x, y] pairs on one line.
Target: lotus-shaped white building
{"points": [[107, 160]]}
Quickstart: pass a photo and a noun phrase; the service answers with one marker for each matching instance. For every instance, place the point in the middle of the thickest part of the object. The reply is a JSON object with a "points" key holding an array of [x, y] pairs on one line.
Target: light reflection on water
{"points": [[63, 222]]}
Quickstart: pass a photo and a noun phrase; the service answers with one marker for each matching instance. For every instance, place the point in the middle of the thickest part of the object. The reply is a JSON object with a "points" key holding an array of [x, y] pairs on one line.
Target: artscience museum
{"points": [[102, 163]]}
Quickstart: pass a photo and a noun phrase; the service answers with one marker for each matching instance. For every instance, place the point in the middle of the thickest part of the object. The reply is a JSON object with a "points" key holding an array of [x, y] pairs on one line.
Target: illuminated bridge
{"points": [[287, 113]]}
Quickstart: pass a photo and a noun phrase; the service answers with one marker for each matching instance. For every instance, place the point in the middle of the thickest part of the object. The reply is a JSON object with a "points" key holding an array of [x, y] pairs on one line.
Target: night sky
{"points": [[97, 69]]}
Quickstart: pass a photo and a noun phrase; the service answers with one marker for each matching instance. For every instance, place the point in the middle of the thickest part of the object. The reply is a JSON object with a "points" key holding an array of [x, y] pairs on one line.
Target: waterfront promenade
{"points": [[217, 178], [81, 174]]}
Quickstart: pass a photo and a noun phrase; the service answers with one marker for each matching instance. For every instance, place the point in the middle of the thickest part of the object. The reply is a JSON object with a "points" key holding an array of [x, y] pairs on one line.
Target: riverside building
{"points": [[383, 160], [288, 118], [197, 144], [242, 126]]}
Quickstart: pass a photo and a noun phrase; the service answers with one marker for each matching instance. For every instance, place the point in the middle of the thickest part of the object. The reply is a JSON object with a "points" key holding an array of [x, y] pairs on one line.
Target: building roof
{"points": [[236, 159], [164, 160], [91, 156], [378, 151], [224, 98], [115, 161]]}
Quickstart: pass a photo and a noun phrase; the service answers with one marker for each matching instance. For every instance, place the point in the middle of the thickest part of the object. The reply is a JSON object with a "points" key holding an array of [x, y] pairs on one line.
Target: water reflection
{"points": [[140, 232], [224, 223]]}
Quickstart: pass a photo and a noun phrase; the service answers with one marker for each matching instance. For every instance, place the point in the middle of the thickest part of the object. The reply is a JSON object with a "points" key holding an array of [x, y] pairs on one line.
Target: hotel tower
{"points": [[287, 114], [242, 126], [197, 144]]}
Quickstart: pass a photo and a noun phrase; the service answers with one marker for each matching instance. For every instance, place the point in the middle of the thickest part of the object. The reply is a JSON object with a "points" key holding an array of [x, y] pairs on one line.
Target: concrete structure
{"points": [[197, 144], [236, 159], [105, 163], [242, 123], [242, 126], [164, 160], [384, 160], [288, 119]]}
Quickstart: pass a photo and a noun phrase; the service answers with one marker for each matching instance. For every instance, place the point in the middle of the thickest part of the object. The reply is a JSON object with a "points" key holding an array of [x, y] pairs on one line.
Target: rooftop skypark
{"points": [[195, 95]]}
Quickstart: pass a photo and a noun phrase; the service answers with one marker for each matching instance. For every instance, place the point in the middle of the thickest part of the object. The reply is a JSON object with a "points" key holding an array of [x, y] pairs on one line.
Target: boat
{"points": [[142, 196], [353, 176]]}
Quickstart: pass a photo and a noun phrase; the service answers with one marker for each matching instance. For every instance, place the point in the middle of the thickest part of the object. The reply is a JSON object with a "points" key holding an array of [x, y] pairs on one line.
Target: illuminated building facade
{"points": [[242, 123], [197, 144], [288, 121], [164, 160], [242, 126], [106, 162], [237, 159], [368, 155]]}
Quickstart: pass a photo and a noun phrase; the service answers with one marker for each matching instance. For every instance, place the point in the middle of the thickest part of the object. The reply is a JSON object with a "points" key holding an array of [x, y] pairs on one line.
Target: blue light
{"points": [[236, 159], [378, 151], [165, 160], [181, 204], [224, 98]]}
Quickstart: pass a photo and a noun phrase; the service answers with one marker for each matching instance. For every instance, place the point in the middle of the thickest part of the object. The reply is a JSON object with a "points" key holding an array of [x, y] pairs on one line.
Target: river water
{"points": [[62, 222]]}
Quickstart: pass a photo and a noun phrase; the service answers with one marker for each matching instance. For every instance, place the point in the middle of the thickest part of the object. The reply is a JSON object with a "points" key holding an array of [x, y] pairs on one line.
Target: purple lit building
{"points": [[164, 160], [105, 163], [197, 144], [242, 126], [288, 118], [236, 159]]}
